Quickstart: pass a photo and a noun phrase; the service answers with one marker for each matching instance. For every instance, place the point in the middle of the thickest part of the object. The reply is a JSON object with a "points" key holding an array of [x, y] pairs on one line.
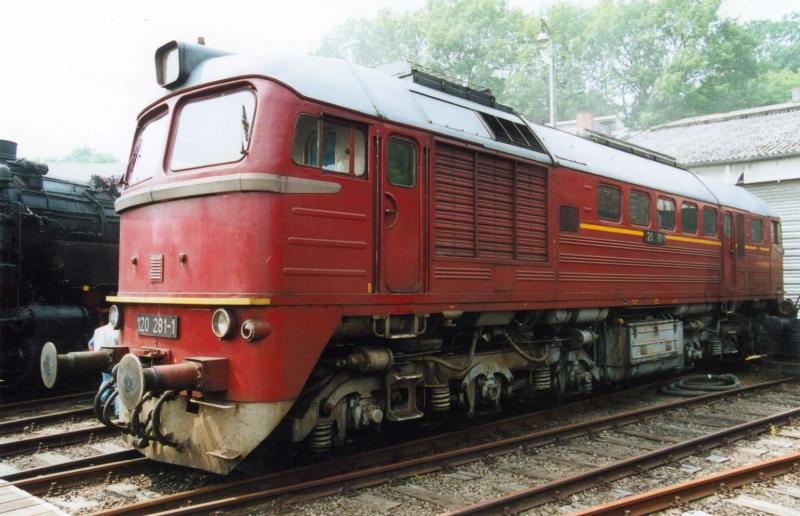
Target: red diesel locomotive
{"points": [[311, 248]]}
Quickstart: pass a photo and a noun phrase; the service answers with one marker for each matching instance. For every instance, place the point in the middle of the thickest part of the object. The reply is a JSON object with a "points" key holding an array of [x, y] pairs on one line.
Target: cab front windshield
{"points": [[210, 130], [213, 130], [148, 149]]}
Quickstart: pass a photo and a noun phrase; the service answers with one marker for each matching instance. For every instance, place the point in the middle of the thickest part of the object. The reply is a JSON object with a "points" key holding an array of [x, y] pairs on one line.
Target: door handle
{"points": [[389, 211]]}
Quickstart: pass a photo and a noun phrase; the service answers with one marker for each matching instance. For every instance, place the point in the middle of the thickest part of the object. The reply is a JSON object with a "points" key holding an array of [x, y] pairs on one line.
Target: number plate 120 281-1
{"points": [[157, 325]]}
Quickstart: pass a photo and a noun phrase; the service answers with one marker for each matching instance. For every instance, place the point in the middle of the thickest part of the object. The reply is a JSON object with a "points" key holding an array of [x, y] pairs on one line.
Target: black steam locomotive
{"points": [[58, 262]]}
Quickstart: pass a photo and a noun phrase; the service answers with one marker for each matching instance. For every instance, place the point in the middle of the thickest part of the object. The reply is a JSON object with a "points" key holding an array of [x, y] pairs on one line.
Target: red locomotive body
{"points": [[309, 248]]}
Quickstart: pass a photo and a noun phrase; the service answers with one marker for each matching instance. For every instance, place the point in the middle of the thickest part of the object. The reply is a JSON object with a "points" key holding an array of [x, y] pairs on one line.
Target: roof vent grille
{"points": [[514, 133]]}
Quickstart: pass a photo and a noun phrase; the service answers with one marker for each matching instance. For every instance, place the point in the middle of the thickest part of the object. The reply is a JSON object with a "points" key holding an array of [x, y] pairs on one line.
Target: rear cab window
{"points": [[214, 130], [148, 148], [665, 209]]}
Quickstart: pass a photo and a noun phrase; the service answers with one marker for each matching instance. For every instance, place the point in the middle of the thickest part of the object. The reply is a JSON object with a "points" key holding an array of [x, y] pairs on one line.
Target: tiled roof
{"points": [[746, 135]]}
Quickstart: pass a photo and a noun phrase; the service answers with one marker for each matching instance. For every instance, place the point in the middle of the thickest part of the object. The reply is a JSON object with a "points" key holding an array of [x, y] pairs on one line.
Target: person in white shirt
{"points": [[105, 336]]}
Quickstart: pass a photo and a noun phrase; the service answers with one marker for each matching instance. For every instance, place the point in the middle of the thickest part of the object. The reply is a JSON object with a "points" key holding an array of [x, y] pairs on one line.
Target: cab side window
{"points": [[332, 145], [688, 217], [756, 231], [609, 203], [402, 166], [305, 150], [665, 209], [709, 221], [639, 207], [776, 232], [727, 225]]}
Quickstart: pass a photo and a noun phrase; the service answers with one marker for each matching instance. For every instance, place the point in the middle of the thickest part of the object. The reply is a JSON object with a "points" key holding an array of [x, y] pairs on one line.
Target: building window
{"points": [[609, 206], [666, 213], [727, 225], [688, 217], [756, 235], [342, 148], [639, 206], [710, 221], [402, 162]]}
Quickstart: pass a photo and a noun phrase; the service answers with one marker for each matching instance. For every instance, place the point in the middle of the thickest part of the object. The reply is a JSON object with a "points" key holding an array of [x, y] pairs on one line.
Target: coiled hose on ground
{"points": [[699, 384]]}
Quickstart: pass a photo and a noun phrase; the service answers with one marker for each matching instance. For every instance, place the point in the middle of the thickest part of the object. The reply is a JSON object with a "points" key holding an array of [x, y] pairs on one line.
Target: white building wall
{"points": [[753, 171]]}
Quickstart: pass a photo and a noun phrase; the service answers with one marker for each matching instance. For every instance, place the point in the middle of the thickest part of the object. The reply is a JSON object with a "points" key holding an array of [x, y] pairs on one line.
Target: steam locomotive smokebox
{"points": [[8, 150]]}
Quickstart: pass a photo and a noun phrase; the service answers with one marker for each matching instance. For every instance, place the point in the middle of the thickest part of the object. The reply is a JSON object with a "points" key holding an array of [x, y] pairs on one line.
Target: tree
{"points": [[88, 155], [649, 61]]}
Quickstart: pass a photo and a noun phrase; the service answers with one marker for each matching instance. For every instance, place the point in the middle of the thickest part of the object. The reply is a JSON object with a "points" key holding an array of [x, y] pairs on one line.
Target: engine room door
{"points": [[729, 252], [399, 210]]}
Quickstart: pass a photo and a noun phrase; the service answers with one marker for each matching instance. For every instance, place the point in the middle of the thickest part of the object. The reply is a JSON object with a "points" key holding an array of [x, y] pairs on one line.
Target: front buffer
{"points": [[209, 411]]}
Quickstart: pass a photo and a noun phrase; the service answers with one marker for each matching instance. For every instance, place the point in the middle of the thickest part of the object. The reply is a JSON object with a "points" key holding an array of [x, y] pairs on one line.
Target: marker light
{"points": [[171, 65], [222, 323], [115, 317], [255, 329], [176, 60]]}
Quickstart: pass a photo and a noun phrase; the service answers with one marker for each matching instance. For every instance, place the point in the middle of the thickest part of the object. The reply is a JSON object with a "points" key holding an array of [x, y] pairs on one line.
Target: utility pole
{"points": [[545, 36]]}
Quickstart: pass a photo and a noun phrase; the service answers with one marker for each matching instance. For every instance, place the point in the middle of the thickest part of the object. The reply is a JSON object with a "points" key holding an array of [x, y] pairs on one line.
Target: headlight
{"points": [[115, 317], [223, 323]]}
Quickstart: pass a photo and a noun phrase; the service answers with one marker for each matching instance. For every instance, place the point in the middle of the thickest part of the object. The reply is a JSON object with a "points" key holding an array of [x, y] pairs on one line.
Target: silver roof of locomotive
{"points": [[377, 93]]}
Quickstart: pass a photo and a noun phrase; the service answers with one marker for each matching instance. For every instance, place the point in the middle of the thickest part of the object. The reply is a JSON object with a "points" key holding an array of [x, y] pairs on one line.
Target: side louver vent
{"points": [[156, 268]]}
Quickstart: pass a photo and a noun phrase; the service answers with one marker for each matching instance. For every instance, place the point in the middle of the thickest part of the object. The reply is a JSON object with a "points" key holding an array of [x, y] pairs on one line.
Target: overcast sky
{"points": [[76, 73]]}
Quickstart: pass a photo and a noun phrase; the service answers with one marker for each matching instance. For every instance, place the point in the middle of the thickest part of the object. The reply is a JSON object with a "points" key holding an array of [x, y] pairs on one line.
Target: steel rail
{"points": [[42, 484], [538, 495], [695, 489], [20, 446], [15, 425], [34, 403], [428, 463], [45, 474]]}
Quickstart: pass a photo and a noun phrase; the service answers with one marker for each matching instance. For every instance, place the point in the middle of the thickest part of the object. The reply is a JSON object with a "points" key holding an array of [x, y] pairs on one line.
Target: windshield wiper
{"points": [[246, 129]]}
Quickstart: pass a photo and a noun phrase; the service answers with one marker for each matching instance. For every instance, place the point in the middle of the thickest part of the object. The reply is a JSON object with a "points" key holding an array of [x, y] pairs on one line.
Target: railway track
{"points": [[40, 442], [636, 431], [68, 415], [679, 495], [28, 423], [38, 404], [40, 480]]}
